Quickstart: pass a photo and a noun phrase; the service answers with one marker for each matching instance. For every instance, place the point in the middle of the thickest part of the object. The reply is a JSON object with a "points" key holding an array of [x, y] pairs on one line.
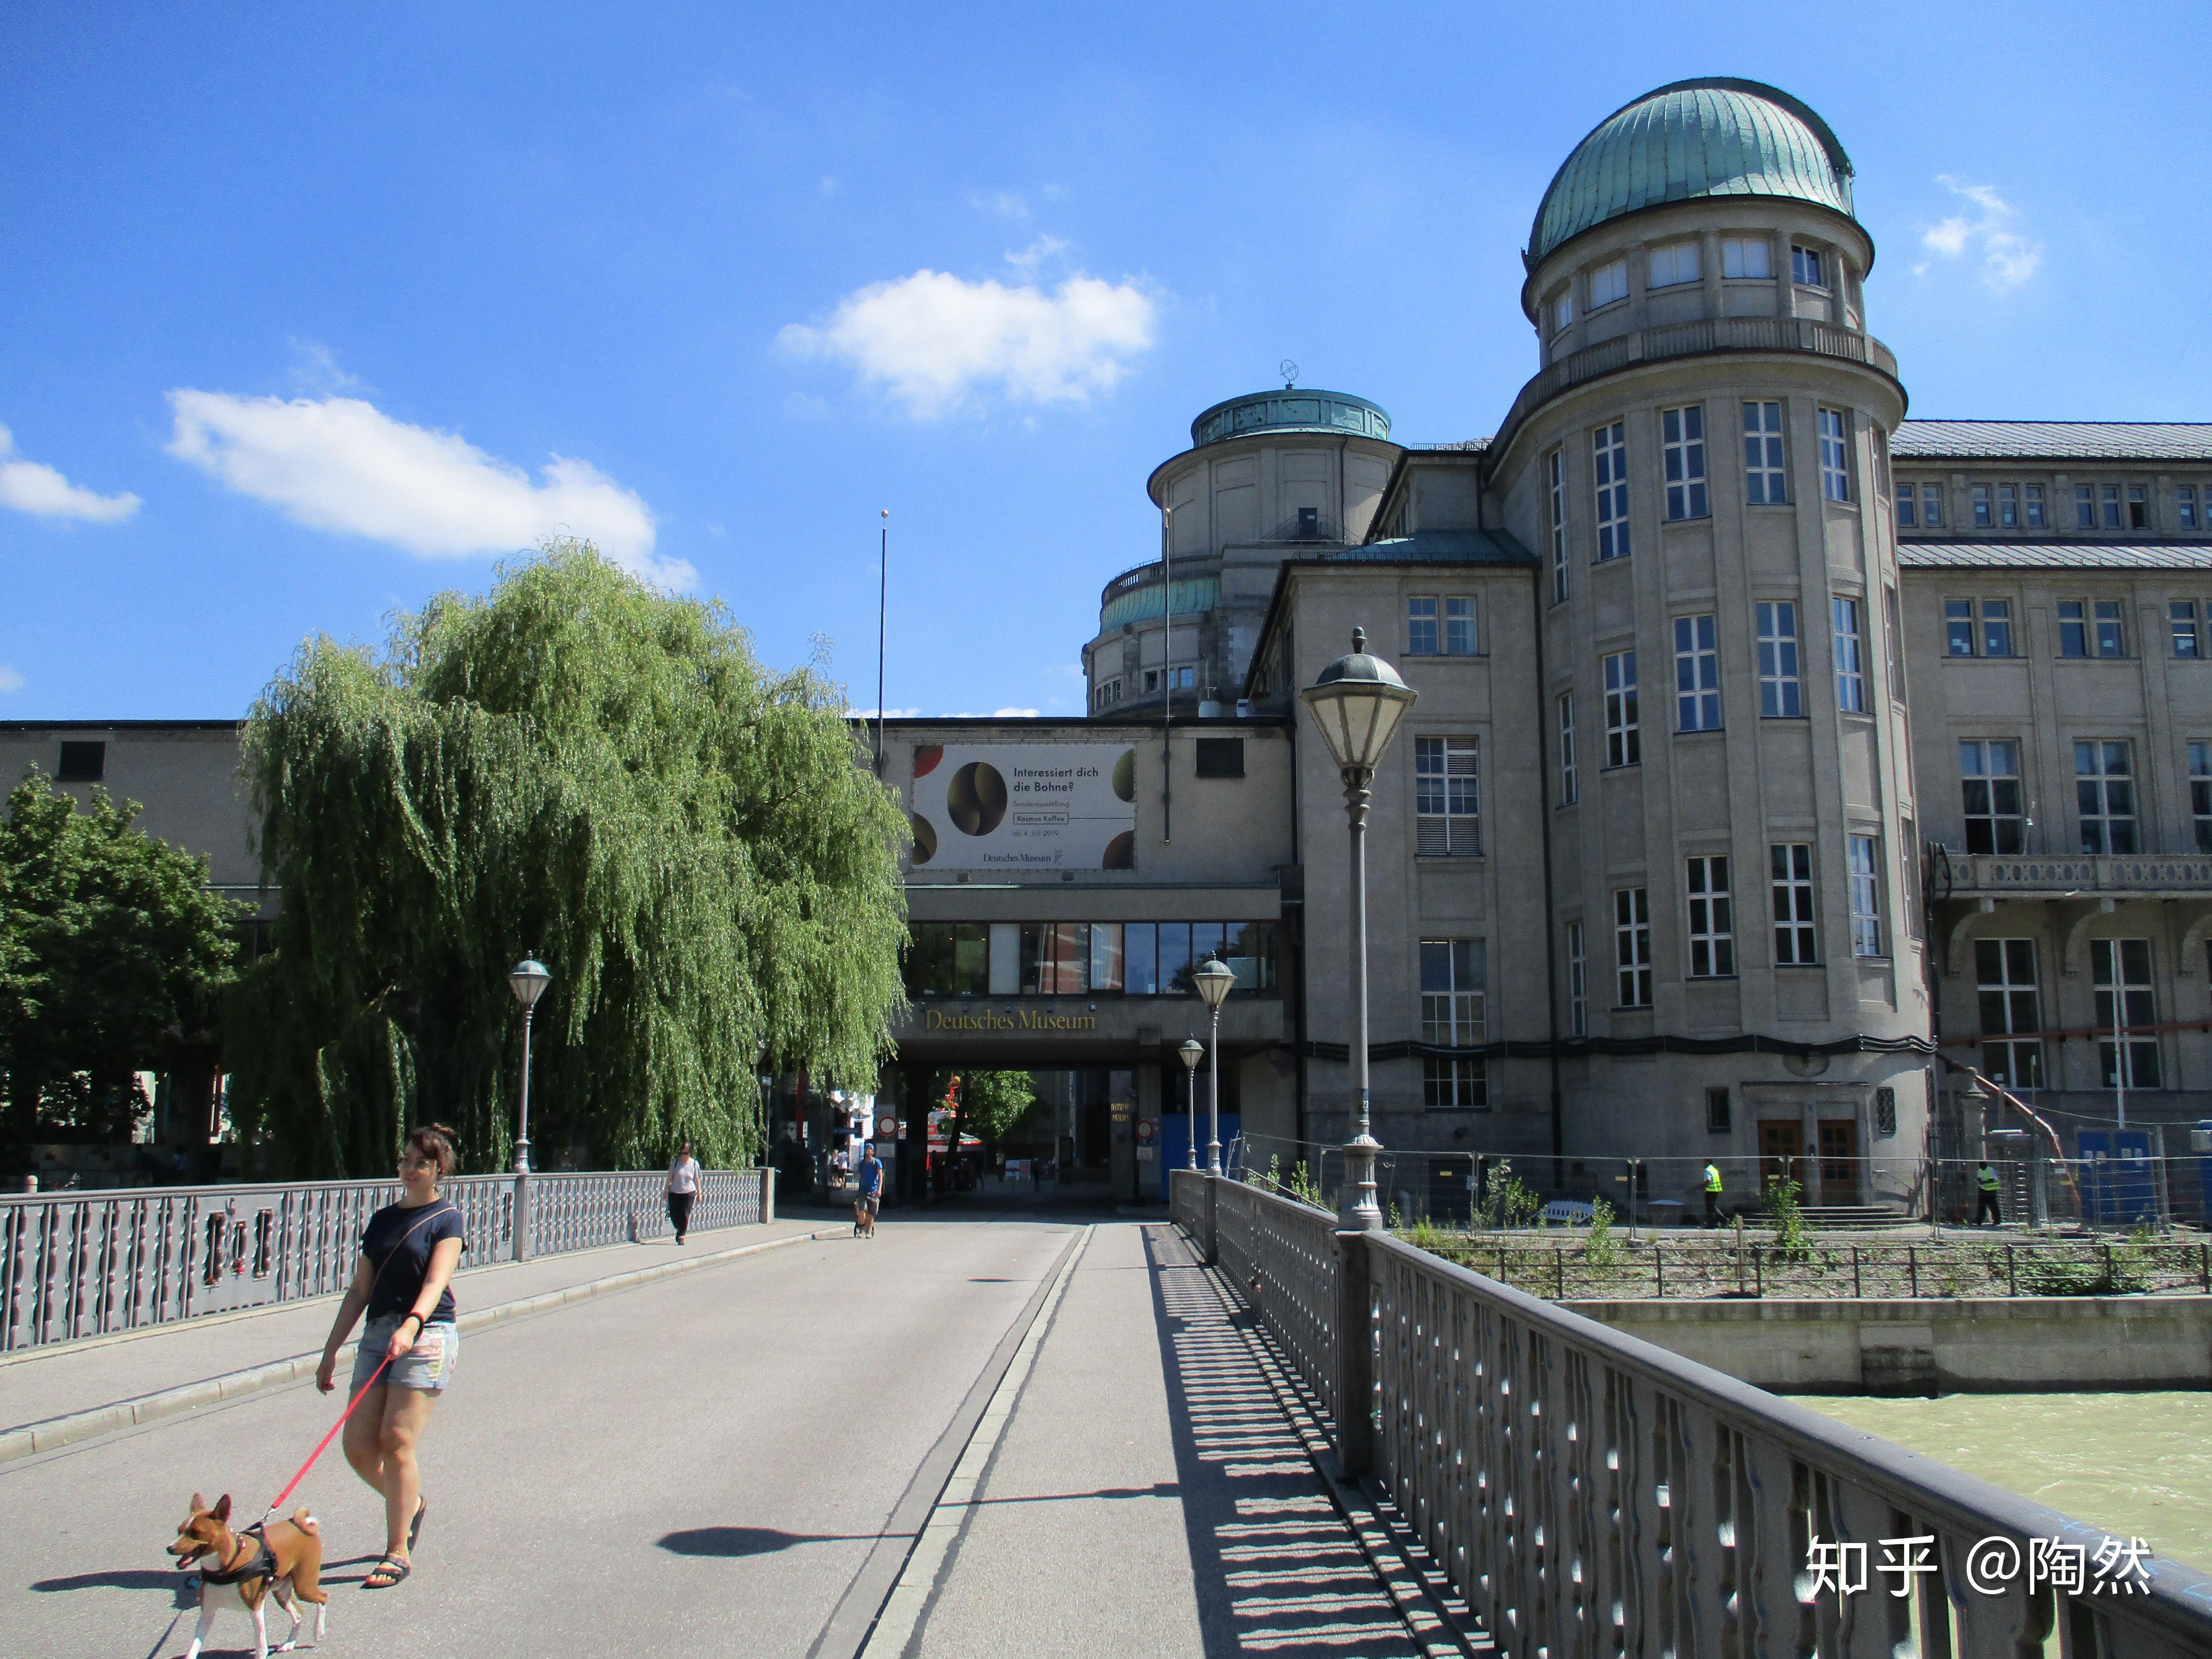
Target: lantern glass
{"points": [[1192, 1051], [1215, 981], [528, 979]]}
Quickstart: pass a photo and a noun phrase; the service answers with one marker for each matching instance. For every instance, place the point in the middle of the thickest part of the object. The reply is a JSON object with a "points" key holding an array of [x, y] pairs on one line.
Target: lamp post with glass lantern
{"points": [[1215, 981], [527, 978], [1192, 1051], [1358, 701]]}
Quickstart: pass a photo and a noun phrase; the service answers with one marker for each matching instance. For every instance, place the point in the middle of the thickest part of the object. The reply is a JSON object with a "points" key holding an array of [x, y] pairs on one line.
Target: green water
{"points": [[2135, 1464]]}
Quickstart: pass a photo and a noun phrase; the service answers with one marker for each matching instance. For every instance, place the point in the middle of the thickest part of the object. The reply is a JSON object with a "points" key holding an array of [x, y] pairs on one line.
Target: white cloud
{"points": [[341, 465], [33, 487], [2007, 258], [935, 340], [1004, 203], [888, 714], [1013, 713], [1036, 253], [10, 679], [315, 370]]}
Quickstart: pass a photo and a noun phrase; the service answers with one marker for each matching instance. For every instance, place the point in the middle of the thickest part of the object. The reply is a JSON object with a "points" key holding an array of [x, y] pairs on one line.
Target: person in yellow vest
{"points": [[1985, 1202], [1713, 1195]]}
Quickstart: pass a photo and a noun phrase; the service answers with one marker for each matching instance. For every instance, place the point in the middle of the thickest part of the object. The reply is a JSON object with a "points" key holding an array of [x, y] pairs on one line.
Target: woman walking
{"points": [[407, 1254], [683, 1190]]}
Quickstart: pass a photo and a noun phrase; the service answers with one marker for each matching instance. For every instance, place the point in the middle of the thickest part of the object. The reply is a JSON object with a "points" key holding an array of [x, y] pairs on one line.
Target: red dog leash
{"points": [[321, 1445]]}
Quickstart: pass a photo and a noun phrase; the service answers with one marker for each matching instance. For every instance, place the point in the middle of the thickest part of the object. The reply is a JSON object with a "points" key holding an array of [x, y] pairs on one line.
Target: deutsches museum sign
{"points": [[1014, 806]]}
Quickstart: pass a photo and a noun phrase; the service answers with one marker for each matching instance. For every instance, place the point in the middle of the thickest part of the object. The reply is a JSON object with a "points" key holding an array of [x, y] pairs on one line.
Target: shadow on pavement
{"points": [[178, 1585], [1277, 1569], [733, 1541]]}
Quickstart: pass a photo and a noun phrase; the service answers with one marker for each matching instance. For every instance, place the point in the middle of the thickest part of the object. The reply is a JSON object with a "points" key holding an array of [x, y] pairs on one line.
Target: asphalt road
{"points": [[700, 1466]]}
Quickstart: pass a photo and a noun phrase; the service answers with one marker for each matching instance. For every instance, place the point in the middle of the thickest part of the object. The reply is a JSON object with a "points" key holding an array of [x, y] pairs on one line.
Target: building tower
{"points": [[1701, 466]]}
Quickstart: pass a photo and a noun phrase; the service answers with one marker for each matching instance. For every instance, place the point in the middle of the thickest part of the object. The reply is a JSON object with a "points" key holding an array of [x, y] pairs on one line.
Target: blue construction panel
{"points": [[1174, 1143], [2116, 1177]]}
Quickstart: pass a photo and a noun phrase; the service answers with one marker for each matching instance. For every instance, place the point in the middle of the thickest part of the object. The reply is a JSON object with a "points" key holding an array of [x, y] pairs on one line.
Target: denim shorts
{"points": [[427, 1367]]}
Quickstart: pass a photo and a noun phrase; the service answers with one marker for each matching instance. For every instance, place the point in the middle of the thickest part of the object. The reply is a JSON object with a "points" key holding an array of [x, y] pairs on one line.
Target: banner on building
{"points": [[1016, 807]]}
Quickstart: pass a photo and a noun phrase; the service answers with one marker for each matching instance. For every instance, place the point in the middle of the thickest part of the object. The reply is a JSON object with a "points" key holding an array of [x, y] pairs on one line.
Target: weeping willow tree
{"points": [[580, 768]]}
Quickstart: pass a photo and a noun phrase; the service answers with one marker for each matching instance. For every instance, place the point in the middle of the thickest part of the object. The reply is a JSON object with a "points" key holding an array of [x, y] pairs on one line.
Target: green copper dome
{"points": [[1693, 139]]}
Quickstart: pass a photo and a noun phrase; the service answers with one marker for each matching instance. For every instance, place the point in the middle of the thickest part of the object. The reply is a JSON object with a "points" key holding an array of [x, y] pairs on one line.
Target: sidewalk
{"points": [[39, 1385], [1146, 1495]]}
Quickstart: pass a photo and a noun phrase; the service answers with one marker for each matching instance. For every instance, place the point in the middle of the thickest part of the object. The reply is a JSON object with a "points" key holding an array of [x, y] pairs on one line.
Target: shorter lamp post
{"points": [[1192, 1051], [1215, 981], [1358, 701], [527, 978]]}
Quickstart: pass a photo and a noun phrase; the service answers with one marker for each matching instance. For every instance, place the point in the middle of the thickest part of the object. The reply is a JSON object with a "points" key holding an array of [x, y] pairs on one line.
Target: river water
{"points": [[2136, 1464]]}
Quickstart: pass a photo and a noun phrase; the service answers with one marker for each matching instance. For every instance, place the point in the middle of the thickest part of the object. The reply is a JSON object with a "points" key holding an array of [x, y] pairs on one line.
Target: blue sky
{"points": [[309, 312]]}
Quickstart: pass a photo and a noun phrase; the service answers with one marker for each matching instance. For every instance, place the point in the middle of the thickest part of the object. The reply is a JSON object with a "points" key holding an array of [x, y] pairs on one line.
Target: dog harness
{"points": [[259, 1565]]}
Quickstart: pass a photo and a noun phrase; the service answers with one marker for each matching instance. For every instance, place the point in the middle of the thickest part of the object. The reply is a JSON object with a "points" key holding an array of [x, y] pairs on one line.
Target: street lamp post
{"points": [[527, 978], [1358, 701], [1215, 981], [1192, 1051]]}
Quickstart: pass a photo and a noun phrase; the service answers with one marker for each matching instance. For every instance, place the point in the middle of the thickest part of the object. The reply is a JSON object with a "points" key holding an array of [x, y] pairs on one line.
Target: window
{"points": [[2181, 616], [2109, 643], [1835, 456], [1056, 958], [1109, 693], [2126, 1002], [1985, 514], [1563, 312], [1779, 692], [2200, 793], [1220, 757], [1577, 982], [1453, 972], [1763, 480], [1697, 675], [1421, 625], [1446, 798], [1988, 781], [1555, 472], [1931, 507], [1747, 258], [1850, 661], [2185, 507], [1624, 743], [2004, 974], [1608, 283], [1631, 946], [1675, 263], [1866, 896], [2105, 796], [2034, 505], [1610, 446], [1684, 455], [1712, 923], [1892, 638], [2073, 628], [1570, 790], [1718, 1119], [82, 763], [949, 958], [1996, 635], [1996, 627], [1907, 499], [1459, 626], [2085, 507], [1789, 867], [2109, 499], [1958, 627], [2009, 506], [1805, 266]]}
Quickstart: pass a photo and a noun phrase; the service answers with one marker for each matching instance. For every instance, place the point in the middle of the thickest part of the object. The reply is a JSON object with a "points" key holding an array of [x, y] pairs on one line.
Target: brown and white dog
{"points": [[243, 1570]]}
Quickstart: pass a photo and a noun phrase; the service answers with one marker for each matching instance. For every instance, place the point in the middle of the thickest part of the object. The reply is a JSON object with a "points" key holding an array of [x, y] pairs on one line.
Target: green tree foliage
{"points": [[113, 954], [578, 767], [991, 1104]]}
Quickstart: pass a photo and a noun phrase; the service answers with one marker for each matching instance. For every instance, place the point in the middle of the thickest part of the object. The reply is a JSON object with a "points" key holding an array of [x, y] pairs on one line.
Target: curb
{"points": [[78, 1427]]}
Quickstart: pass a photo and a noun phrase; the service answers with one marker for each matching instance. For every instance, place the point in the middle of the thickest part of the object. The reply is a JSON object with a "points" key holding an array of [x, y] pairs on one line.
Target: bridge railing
{"points": [[88, 1264], [1588, 1492]]}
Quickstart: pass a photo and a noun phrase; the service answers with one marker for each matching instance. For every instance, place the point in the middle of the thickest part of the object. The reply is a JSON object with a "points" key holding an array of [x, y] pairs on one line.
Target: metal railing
{"points": [[1589, 1493], [87, 1264]]}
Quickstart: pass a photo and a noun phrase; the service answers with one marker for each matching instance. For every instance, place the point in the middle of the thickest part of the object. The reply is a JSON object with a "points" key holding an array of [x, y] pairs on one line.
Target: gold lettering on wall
{"points": [[1029, 1019]]}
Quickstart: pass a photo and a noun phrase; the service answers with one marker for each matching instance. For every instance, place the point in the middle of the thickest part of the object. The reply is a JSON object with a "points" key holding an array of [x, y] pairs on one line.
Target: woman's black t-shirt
{"points": [[397, 1242]]}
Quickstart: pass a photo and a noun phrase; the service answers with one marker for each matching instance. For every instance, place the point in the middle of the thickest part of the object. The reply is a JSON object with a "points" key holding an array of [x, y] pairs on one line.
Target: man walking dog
{"points": [[871, 1196]]}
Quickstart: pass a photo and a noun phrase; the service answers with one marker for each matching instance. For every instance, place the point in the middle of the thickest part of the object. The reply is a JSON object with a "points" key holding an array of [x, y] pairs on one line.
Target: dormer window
{"points": [[1675, 264], [1807, 266], [1748, 259], [1608, 283]]}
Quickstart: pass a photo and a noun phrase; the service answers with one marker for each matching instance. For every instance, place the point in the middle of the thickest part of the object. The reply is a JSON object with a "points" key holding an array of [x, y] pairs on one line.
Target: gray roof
{"points": [[2055, 555], [2088, 441], [1437, 547]]}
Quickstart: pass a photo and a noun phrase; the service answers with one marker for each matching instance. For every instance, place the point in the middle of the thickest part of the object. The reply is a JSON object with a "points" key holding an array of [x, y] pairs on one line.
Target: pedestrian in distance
{"points": [[1985, 1198], [869, 1198], [683, 1190], [403, 1283], [1713, 1195]]}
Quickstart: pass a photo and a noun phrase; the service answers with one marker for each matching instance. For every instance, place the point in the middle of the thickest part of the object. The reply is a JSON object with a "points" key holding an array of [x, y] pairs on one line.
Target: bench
{"points": [[1568, 1213]]}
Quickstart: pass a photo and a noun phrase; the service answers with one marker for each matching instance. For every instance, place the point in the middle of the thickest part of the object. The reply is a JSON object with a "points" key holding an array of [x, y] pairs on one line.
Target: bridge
{"points": [[1020, 1431]]}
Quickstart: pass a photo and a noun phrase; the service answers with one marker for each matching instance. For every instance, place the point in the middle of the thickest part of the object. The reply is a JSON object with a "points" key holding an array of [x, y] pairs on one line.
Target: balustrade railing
{"points": [[87, 1264], [1590, 1494], [2066, 875]]}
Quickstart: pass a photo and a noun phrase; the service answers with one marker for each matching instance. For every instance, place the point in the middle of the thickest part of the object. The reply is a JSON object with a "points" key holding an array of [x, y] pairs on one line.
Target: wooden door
{"points": [[1781, 1153], [1839, 1161]]}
